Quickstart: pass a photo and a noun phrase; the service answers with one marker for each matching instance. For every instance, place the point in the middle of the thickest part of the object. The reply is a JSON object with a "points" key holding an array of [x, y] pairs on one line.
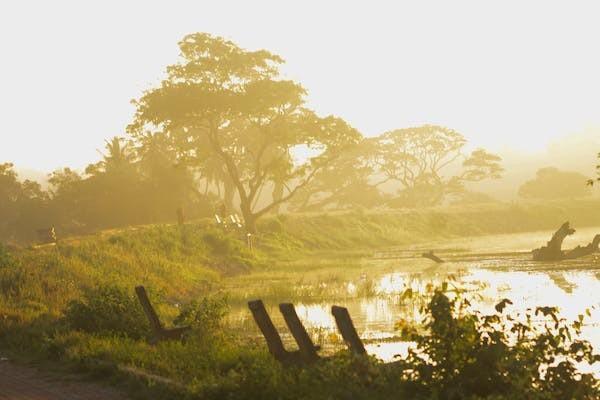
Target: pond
{"points": [[490, 267]]}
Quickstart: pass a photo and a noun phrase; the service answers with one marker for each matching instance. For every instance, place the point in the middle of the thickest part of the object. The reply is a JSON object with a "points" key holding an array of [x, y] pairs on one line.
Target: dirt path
{"points": [[26, 383]]}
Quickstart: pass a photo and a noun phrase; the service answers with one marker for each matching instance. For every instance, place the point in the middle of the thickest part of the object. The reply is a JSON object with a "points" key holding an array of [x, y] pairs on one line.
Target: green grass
{"points": [[293, 254], [362, 230]]}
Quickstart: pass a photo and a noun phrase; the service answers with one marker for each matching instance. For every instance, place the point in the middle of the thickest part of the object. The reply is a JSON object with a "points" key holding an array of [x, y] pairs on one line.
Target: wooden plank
{"points": [[263, 320], [347, 329], [155, 323], [160, 333], [308, 351]]}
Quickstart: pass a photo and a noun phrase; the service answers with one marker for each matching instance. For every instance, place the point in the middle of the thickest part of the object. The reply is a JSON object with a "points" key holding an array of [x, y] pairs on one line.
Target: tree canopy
{"points": [[225, 125], [420, 158], [226, 102]]}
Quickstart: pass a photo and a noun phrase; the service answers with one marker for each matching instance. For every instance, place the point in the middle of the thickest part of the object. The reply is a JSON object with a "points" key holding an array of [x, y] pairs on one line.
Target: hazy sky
{"points": [[503, 73]]}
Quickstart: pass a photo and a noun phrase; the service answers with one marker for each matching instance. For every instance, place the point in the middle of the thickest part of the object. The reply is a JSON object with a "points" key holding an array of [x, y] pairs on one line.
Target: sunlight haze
{"points": [[507, 75]]}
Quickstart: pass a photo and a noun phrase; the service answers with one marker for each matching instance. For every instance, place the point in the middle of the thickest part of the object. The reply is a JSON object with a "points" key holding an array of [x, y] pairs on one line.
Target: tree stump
{"points": [[553, 249]]}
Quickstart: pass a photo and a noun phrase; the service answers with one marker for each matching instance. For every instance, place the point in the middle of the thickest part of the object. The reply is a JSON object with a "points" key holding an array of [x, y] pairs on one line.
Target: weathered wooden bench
{"points": [[274, 342], [346, 327], [159, 331], [308, 351]]}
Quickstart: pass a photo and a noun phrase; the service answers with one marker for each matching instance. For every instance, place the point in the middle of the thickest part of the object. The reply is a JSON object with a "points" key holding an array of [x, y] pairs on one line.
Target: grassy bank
{"points": [[363, 229], [73, 305]]}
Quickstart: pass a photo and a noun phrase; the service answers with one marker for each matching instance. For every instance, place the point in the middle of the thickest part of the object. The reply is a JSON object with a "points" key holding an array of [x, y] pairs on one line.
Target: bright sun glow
{"points": [[507, 75]]}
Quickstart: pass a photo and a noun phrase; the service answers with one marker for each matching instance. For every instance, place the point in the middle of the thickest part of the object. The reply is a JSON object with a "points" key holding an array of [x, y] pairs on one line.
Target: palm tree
{"points": [[118, 155]]}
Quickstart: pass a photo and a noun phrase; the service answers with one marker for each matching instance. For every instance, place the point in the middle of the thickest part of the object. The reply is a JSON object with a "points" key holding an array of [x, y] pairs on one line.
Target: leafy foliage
{"points": [[226, 102], [466, 354], [344, 183], [128, 186], [419, 157], [205, 316], [108, 310]]}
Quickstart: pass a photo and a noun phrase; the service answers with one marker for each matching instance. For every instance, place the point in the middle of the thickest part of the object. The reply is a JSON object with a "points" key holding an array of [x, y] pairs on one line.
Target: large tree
{"points": [[424, 161], [345, 183], [234, 102], [23, 206]]}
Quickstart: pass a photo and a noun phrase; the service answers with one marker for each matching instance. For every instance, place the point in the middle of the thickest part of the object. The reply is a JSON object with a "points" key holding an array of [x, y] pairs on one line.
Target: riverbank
{"points": [[73, 303], [362, 229]]}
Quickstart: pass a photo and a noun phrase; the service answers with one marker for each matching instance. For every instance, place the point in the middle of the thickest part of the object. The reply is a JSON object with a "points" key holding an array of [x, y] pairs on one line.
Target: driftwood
{"points": [[581, 251], [159, 331], [553, 249], [432, 256]]}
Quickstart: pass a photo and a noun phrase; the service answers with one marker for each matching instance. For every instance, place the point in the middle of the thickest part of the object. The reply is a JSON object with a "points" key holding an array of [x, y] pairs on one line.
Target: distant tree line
{"points": [[225, 127], [236, 121], [129, 186], [551, 183]]}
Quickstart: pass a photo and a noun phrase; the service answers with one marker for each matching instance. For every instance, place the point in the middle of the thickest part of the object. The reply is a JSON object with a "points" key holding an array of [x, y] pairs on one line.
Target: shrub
{"points": [[5, 256], [220, 244], [463, 354], [205, 316], [108, 310]]}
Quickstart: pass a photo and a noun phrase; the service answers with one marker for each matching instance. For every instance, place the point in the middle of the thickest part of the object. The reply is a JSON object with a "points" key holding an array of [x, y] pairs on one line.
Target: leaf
{"points": [[502, 305]]}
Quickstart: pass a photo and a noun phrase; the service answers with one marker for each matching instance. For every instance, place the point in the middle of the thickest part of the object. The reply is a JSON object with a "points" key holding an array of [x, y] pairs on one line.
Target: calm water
{"points": [[493, 267]]}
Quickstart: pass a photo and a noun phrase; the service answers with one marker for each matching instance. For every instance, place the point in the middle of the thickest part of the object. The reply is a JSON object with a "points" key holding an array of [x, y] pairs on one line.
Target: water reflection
{"points": [[573, 286]]}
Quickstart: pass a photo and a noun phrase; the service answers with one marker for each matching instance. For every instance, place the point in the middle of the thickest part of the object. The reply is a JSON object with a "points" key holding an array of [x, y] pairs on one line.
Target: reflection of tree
{"points": [[559, 280]]}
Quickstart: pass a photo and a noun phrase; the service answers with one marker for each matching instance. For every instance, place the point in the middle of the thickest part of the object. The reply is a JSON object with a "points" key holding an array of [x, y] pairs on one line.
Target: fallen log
{"points": [[581, 251]]}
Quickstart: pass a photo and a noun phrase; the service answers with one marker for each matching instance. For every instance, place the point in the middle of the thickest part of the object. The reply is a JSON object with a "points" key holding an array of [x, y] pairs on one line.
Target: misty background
{"points": [[520, 79]]}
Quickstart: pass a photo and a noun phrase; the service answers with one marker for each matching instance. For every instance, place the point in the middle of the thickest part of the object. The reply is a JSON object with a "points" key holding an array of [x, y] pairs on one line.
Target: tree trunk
{"points": [[277, 195], [553, 249], [229, 194], [249, 218]]}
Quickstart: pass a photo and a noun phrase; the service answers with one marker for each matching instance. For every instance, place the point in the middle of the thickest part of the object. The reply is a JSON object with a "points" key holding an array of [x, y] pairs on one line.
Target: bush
{"points": [[108, 310], [221, 244], [205, 316], [463, 354], [5, 256]]}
